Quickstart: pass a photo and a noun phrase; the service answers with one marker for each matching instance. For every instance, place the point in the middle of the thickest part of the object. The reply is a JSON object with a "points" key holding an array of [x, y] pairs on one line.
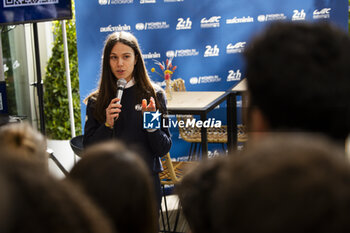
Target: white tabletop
{"points": [[193, 100], [241, 86]]}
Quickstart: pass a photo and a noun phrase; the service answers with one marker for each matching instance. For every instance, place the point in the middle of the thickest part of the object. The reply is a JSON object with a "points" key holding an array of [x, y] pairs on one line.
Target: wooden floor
{"points": [[173, 204]]}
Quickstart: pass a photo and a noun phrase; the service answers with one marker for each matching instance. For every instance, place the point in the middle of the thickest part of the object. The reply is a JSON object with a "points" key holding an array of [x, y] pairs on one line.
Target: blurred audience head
{"points": [[298, 78], [286, 183], [39, 203], [195, 193], [21, 139], [119, 182]]}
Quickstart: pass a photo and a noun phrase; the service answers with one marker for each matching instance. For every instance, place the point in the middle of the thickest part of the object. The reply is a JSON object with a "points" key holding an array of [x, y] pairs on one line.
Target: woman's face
{"points": [[122, 61]]}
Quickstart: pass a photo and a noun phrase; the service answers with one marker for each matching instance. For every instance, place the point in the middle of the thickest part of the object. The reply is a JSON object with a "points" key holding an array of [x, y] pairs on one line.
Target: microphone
{"points": [[121, 83]]}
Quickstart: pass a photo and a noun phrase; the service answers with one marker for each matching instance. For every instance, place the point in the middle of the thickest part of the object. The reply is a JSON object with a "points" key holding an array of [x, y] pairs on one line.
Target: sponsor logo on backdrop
{"points": [[234, 76], [151, 55], [112, 2], [243, 19], [184, 24], [118, 28], [18, 3], [211, 51], [236, 48], [147, 1], [325, 13], [271, 17], [298, 15], [153, 120], [205, 79], [213, 22], [152, 26], [173, 0], [182, 53]]}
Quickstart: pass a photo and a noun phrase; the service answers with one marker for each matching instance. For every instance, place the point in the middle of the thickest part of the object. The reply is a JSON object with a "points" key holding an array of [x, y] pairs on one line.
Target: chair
{"points": [[171, 175], [76, 143], [56, 161], [193, 134]]}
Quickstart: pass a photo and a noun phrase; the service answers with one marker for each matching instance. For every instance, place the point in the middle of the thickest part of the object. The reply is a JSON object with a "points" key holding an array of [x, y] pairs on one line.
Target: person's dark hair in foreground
{"points": [[119, 181], [285, 184], [195, 193], [41, 204], [299, 79]]}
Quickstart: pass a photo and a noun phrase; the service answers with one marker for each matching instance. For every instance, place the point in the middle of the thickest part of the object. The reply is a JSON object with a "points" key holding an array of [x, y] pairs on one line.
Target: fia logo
{"points": [[234, 76], [183, 24], [298, 15], [211, 51], [151, 120]]}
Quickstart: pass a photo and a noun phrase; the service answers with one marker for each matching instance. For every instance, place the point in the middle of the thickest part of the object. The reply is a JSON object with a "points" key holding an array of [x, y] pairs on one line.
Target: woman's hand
{"points": [[151, 107], [112, 112]]}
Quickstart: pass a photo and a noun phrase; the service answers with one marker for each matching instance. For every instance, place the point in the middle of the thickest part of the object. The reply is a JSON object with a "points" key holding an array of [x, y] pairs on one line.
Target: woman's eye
{"points": [[113, 57]]}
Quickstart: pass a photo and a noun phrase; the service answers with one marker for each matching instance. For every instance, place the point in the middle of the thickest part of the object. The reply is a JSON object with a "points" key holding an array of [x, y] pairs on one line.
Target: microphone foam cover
{"points": [[121, 83]]}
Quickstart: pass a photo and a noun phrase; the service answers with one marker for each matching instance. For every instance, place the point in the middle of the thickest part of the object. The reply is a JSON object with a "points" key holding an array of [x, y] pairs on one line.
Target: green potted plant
{"points": [[55, 87]]}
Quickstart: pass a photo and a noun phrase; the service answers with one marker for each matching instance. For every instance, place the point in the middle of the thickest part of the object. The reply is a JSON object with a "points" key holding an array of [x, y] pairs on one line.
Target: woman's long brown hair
{"points": [[108, 82]]}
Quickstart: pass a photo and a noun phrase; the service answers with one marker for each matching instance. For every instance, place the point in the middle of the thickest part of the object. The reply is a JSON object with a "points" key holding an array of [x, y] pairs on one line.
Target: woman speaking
{"points": [[122, 119]]}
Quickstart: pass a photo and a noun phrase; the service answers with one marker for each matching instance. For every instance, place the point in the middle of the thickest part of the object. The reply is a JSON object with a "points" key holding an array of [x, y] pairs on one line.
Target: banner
{"points": [[29, 11], [206, 38]]}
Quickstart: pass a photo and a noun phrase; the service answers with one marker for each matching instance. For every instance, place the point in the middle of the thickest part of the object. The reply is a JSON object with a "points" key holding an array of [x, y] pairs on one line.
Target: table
{"points": [[236, 90], [197, 103], [241, 86]]}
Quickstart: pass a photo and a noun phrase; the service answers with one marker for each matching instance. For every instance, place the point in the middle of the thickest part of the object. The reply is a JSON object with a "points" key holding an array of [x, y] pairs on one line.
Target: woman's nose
{"points": [[120, 62]]}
